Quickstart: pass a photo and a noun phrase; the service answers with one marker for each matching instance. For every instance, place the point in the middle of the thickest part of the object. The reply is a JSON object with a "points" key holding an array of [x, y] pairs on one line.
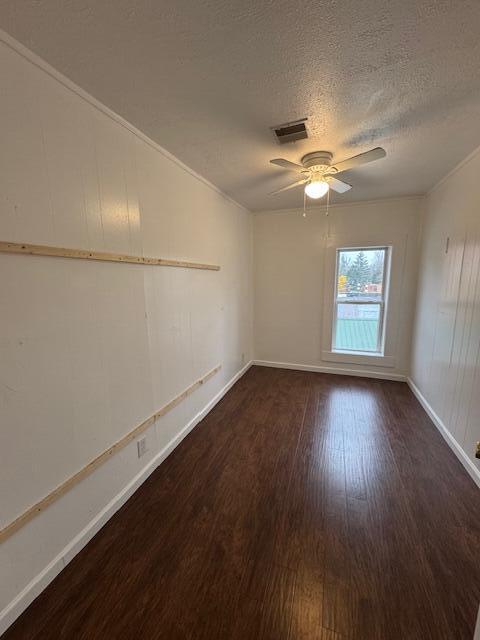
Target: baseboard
{"points": [[34, 588], [477, 627], [450, 440], [18, 605], [361, 373]]}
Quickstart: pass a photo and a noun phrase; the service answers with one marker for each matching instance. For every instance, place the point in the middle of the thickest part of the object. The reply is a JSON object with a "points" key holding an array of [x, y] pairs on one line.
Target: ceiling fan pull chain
{"points": [[327, 214], [304, 204]]}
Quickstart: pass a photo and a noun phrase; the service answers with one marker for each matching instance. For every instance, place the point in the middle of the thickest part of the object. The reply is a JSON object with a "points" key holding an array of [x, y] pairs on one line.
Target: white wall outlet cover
{"points": [[142, 447]]}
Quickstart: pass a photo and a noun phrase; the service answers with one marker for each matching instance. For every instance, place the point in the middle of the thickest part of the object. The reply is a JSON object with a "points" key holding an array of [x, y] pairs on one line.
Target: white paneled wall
{"points": [[87, 349], [446, 347]]}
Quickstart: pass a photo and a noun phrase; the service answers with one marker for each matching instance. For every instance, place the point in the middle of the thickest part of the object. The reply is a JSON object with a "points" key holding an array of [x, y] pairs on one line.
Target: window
{"points": [[360, 294]]}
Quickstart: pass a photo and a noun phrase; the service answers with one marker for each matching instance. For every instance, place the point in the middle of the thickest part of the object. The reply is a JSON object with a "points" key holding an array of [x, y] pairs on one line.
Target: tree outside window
{"points": [[359, 301]]}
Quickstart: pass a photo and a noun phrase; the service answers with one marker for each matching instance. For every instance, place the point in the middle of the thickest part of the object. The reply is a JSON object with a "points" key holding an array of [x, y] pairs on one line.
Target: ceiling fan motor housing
{"points": [[318, 161], [317, 170]]}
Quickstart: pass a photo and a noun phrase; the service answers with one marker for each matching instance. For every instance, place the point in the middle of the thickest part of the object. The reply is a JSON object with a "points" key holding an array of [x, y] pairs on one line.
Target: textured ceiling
{"points": [[206, 80]]}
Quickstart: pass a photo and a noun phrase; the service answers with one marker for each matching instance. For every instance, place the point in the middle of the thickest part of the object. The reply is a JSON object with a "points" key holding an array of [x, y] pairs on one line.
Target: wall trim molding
{"points": [[337, 205], [103, 256], [33, 589], [362, 373], [471, 469], [39, 62], [454, 170]]}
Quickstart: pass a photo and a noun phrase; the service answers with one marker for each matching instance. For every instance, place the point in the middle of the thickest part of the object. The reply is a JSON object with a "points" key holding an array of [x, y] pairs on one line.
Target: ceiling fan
{"points": [[318, 173]]}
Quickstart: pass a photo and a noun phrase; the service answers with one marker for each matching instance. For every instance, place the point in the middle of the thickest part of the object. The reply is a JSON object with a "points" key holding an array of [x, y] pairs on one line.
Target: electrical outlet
{"points": [[142, 447]]}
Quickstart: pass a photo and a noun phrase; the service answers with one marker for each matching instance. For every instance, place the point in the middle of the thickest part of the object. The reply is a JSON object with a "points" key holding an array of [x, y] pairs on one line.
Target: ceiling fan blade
{"points": [[338, 185], [289, 186], [286, 164], [362, 158]]}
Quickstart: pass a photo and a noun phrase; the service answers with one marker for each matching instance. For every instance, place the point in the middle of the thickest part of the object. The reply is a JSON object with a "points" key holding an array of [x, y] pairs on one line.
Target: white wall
{"points": [[290, 261], [445, 355], [88, 350]]}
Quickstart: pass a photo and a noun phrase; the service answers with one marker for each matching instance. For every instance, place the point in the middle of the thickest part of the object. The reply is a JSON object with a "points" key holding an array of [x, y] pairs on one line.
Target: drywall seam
{"points": [[34, 59], [16, 607]]}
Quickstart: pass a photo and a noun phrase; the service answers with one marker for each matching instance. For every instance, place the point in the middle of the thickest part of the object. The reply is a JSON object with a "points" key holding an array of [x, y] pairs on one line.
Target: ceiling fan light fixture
{"points": [[316, 188], [318, 174]]}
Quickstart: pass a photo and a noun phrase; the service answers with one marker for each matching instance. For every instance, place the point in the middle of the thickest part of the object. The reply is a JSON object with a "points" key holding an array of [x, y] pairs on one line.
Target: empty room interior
{"points": [[240, 320]]}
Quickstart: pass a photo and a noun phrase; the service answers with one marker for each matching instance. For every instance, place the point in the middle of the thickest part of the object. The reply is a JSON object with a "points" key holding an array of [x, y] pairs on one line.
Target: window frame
{"points": [[380, 347], [393, 330]]}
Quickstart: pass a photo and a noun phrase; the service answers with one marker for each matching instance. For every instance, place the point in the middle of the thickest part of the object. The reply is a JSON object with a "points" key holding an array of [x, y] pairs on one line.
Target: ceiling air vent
{"points": [[291, 131]]}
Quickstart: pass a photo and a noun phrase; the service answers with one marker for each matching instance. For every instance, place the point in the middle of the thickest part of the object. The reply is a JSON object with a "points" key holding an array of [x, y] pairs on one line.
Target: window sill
{"points": [[349, 357]]}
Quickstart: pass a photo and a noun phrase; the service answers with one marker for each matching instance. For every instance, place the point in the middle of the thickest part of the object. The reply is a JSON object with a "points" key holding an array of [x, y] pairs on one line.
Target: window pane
{"points": [[360, 274], [357, 327]]}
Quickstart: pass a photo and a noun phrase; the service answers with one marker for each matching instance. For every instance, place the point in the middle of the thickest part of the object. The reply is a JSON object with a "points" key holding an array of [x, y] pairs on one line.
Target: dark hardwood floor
{"points": [[305, 506]]}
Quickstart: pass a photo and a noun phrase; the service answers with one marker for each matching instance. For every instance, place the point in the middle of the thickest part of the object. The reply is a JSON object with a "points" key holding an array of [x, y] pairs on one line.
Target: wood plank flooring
{"points": [[305, 506]]}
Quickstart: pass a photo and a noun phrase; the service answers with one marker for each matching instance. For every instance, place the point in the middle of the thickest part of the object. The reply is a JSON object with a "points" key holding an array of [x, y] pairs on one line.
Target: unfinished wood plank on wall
{"points": [[82, 254], [63, 488]]}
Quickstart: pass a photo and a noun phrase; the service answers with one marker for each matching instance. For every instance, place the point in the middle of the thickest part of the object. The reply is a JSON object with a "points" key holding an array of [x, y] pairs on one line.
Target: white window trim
{"points": [[383, 303], [355, 357], [396, 258]]}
